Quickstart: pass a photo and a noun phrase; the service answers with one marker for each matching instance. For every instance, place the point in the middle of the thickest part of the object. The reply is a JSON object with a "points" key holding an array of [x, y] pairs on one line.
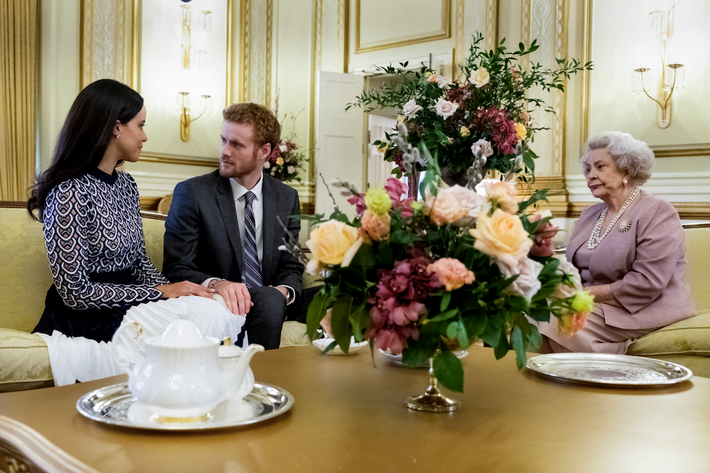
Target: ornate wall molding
{"points": [[472, 16], [257, 21], [546, 21], [105, 40]]}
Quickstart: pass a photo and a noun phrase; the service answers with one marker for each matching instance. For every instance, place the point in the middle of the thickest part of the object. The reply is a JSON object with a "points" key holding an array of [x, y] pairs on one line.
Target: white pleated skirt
{"points": [[81, 359]]}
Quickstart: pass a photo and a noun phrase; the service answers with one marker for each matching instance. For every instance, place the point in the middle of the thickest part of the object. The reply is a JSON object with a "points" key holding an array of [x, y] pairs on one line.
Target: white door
{"points": [[340, 151], [378, 169]]}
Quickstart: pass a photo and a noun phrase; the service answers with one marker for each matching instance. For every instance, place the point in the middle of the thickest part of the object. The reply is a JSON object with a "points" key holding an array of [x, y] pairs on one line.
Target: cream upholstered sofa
{"points": [[24, 280]]}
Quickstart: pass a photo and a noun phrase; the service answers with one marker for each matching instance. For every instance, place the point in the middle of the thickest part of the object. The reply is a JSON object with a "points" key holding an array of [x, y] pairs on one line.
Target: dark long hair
{"points": [[86, 134]]}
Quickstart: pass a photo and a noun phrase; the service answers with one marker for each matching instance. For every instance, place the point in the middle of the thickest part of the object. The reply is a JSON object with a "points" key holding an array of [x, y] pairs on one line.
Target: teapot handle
{"points": [[122, 352]]}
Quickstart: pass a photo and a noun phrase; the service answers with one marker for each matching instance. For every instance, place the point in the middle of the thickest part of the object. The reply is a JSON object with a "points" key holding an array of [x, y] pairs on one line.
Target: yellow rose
{"points": [[521, 131], [502, 236], [465, 131], [279, 161], [329, 244]]}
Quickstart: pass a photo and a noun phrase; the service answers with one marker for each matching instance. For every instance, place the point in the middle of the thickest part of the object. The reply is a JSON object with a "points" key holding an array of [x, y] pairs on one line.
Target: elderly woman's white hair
{"points": [[630, 155]]}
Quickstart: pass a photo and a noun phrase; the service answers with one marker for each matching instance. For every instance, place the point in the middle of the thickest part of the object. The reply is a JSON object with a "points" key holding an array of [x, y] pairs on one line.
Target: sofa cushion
{"points": [[696, 242], [23, 265], [294, 334], [687, 337], [24, 361]]}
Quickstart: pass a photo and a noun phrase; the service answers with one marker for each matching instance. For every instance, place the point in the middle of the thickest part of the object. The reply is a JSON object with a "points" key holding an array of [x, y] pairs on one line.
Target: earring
{"points": [[626, 181], [118, 135]]}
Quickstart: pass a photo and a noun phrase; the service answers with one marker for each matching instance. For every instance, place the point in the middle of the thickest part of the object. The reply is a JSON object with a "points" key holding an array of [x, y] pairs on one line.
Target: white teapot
{"points": [[179, 375]]}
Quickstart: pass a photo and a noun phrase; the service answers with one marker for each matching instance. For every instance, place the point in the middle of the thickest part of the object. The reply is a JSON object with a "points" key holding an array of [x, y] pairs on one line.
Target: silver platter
{"points": [[116, 405], [609, 370]]}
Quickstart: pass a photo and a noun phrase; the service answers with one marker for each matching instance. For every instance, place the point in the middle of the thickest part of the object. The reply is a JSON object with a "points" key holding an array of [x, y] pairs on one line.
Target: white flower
{"points": [[290, 169], [483, 147], [527, 283], [469, 201], [563, 290], [442, 81], [411, 109], [267, 165], [480, 77], [283, 148], [444, 108]]}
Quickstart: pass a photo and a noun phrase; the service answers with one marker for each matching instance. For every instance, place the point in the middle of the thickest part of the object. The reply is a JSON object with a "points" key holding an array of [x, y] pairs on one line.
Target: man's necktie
{"points": [[252, 268]]}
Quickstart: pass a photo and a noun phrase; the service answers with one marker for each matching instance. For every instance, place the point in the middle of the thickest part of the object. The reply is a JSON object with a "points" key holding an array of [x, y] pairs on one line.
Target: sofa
{"points": [[25, 278]]}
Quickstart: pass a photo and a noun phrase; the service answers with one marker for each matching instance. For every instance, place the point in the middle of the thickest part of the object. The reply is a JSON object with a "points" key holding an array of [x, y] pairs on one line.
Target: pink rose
{"points": [[452, 273], [444, 108], [501, 193], [542, 242], [376, 226]]}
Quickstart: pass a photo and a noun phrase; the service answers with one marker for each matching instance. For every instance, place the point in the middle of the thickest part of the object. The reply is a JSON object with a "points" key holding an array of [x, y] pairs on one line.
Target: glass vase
{"points": [[432, 400]]}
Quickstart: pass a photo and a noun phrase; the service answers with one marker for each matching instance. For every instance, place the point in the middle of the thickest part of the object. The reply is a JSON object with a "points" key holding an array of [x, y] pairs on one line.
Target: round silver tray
{"points": [[609, 370], [116, 405]]}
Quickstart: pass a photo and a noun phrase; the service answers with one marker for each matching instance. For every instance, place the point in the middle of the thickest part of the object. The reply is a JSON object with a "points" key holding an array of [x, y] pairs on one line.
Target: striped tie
{"points": [[252, 268]]}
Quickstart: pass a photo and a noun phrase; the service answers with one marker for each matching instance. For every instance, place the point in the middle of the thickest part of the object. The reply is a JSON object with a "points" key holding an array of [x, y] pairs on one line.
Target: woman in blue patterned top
{"points": [[92, 223]]}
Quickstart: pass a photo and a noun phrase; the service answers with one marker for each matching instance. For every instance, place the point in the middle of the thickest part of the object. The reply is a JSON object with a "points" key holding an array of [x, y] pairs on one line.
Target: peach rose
{"points": [[451, 272], [571, 323], [376, 226], [502, 237], [444, 208], [502, 193], [329, 243], [563, 290]]}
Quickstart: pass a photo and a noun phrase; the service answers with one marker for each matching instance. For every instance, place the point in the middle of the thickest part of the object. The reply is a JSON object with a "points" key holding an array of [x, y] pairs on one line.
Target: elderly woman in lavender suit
{"points": [[629, 251]]}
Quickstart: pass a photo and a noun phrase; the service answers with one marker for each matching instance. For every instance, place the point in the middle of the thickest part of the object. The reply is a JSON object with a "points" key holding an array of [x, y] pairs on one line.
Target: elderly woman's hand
{"points": [[602, 293]]}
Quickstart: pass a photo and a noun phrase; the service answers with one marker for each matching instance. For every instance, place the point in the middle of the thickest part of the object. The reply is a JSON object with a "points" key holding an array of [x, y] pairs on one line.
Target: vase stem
{"points": [[432, 400]]}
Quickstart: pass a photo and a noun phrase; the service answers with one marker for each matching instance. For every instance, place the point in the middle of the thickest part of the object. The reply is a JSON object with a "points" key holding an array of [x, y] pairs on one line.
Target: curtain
{"points": [[19, 65]]}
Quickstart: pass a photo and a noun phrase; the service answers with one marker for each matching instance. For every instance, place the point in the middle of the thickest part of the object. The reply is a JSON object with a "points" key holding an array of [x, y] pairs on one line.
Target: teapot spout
{"points": [[235, 366]]}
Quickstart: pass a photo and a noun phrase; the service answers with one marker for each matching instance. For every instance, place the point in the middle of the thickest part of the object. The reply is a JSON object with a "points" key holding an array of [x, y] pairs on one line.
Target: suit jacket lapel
{"points": [[225, 201], [268, 228]]}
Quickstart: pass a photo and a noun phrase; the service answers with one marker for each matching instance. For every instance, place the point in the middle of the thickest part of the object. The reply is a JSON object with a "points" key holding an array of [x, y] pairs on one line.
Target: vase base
{"points": [[432, 402]]}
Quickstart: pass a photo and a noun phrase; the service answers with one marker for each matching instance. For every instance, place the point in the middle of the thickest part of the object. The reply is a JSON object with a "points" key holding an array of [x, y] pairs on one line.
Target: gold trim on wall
{"points": [[446, 31], [172, 159], [681, 152], [136, 40], [247, 40]]}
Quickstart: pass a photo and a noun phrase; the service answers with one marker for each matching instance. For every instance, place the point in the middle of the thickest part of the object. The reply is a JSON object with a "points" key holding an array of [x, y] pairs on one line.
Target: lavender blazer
{"points": [[646, 265]]}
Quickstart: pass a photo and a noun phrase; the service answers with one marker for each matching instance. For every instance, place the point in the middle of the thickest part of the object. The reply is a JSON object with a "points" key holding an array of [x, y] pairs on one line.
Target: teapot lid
{"points": [[182, 333]]}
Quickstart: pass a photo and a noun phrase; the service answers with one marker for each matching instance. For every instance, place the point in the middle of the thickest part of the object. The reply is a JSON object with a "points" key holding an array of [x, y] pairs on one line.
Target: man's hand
{"points": [[236, 296]]}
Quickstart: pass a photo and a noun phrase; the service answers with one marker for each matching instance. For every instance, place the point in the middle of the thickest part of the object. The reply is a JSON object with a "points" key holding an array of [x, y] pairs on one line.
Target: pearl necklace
{"points": [[594, 238]]}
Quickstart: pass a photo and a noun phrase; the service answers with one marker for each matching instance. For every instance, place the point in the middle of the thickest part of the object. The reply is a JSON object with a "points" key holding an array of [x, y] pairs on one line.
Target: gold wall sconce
{"points": [[670, 76], [194, 41]]}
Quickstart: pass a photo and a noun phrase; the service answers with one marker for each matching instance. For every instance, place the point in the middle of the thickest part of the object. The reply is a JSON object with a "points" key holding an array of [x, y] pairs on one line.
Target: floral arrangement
{"points": [[286, 160], [471, 126], [427, 278]]}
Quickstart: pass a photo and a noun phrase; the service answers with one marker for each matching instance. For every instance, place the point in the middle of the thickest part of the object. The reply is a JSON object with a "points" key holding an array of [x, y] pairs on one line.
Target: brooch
{"points": [[624, 225]]}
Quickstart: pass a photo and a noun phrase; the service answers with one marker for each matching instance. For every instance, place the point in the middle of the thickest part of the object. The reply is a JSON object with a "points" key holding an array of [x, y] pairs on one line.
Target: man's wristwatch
{"points": [[212, 283]]}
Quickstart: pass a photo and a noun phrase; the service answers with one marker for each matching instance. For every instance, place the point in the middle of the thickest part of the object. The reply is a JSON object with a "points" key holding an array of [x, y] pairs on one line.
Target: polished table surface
{"points": [[350, 416]]}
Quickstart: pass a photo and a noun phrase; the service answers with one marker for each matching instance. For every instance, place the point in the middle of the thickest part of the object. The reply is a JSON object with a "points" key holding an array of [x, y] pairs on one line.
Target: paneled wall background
{"points": [[278, 47]]}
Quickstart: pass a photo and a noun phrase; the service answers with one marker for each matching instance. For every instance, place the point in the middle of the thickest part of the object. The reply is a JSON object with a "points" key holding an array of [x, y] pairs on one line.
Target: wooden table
{"points": [[350, 416]]}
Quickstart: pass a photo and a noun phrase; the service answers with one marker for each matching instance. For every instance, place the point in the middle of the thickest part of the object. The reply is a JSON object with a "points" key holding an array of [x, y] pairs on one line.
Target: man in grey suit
{"points": [[222, 229]]}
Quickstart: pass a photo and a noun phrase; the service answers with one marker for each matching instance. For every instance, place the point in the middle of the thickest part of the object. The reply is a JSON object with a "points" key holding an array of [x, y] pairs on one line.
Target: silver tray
{"points": [[609, 370], [116, 405]]}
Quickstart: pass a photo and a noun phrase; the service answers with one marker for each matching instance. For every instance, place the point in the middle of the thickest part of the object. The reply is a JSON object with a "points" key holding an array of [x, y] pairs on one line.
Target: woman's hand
{"points": [[185, 288], [602, 293]]}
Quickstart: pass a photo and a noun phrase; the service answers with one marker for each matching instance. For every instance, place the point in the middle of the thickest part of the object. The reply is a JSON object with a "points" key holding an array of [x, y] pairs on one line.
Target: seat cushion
{"points": [[687, 337], [24, 361], [293, 334]]}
